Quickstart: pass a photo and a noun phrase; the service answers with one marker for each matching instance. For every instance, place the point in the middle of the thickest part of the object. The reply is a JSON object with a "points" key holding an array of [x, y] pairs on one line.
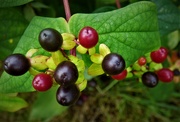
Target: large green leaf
{"points": [[11, 103], [46, 106], [12, 26], [30, 40], [168, 16], [131, 31], [9, 3]]}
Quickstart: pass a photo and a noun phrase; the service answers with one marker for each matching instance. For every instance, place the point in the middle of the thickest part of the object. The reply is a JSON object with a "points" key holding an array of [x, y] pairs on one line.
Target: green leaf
{"points": [[28, 41], [11, 103], [46, 106], [10, 3], [131, 31], [168, 16], [12, 26]]}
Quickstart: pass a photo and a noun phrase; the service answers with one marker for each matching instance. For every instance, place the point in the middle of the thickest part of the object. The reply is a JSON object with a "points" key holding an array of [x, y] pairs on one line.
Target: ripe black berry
{"points": [[50, 39], [113, 64], [16, 64], [176, 72], [66, 73], [88, 37], [150, 79], [67, 95]]}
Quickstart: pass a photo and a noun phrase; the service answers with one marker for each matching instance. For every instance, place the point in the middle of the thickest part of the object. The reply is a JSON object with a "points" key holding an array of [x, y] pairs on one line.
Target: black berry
{"points": [[50, 39], [67, 95], [16, 64], [113, 64], [66, 73], [176, 72], [150, 79]]}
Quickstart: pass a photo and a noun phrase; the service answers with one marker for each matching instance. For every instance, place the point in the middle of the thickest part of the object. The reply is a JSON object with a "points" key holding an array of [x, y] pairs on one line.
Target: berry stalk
{"points": [[118, 4], [67, 9]]}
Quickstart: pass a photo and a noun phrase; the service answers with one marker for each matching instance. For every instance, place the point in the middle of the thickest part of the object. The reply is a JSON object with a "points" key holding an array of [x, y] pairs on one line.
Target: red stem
{"points": [[67, 9], [118, 4], [68, 15]]}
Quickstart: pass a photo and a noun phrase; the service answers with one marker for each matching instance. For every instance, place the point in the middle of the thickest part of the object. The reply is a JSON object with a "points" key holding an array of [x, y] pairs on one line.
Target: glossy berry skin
{"points": [[113, 64], [42, 82], [150, 79], [165, 75], [142, 61], [67, 96], [120, 76], [50, 39], [88, 37], [66, 73], [159, 55], [16, 64]]}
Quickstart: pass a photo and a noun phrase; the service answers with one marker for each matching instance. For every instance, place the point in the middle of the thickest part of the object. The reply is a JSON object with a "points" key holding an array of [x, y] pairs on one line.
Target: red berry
{"points": [[142, 61], [159, 55], [165, 75], [120, 76], [88, 37], [42, 82]]}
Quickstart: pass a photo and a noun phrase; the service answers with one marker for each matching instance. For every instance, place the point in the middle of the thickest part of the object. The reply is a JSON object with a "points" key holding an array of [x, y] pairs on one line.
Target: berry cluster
{"points": [[62, 67], [149, 68]]}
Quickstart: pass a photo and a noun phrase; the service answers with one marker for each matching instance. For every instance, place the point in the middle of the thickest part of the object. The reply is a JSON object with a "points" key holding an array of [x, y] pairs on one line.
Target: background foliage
{"points": [[127, 101]]}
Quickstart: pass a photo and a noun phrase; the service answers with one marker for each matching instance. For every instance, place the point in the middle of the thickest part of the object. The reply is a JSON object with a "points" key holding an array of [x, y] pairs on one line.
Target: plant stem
{"points": [[68, 15], [114, 82], [67, 9], [118, 4]]}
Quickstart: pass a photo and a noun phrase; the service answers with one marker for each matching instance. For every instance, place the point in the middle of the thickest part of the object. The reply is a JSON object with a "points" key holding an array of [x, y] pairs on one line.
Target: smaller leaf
{"points": [[31, 52], [95, 70], [11, 103], [92, 50], [57, 57], [33, 71], [50, 63], [82, 85], [68, 44], [39, 62], [81, 49], [80, 78], [97, 58], [104, 50], [173, 39]]}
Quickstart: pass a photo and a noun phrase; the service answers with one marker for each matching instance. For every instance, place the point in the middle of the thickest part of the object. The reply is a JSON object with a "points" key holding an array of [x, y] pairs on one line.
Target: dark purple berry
{"points": [[113, 64], [16, 64], [50, 39], [150, 79], [176, 72], [66, 73], [67, 96]]}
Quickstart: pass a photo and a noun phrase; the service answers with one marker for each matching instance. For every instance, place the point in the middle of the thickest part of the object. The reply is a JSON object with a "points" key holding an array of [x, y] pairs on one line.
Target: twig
{"points": [[118, 4], [67, 9]]}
